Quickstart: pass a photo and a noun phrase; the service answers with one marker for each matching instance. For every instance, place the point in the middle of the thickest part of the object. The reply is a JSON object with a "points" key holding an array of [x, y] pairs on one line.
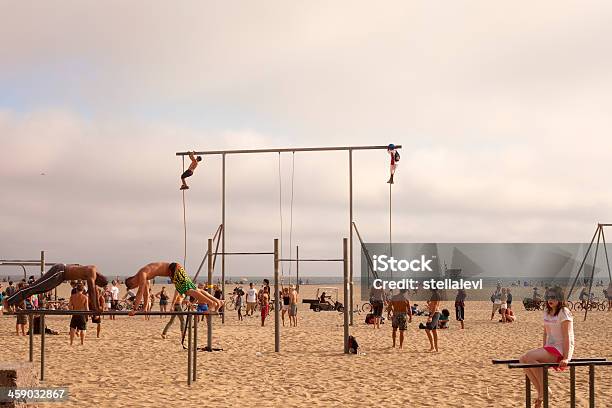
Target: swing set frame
{"points": [[351, 221]]}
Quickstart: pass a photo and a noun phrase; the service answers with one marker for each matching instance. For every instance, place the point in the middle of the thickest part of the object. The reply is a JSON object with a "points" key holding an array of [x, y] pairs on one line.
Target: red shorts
{"points": [[552, 350]]}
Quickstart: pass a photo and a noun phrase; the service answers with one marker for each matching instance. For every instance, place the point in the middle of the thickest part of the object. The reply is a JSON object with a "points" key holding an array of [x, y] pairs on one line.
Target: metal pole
{"points": [[42, 263], [42, 347], [351, 231], [31, 336], [210, 274], [527, 392], [223, 231], [569, 294], [297, 267], [289, 150], [591, 386], [545, 385], [195, 349], [346, 293], [276, 300], [572, 387], [588, 304], [189, 350]]}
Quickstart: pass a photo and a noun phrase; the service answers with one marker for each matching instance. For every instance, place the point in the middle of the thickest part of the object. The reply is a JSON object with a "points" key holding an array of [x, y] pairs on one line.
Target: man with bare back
{"points": [[78, 301], [400, 308], [189, 172], [293, 306], [60, 273], [182, 283]]}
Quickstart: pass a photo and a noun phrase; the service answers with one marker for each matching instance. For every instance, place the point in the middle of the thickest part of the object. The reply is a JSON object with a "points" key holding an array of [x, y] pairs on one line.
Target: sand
{"points": [[131, 365]]}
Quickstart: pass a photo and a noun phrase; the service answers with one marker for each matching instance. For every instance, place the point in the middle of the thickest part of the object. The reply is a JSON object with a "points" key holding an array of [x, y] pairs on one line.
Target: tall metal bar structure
{"points": [[350, 150], [276, 300], [210, 274]]}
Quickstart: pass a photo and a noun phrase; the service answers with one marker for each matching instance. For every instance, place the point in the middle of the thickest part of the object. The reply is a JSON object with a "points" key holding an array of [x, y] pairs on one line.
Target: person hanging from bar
{"points": [[58, 274], [182, 283], [189, 172], [395, 157]]}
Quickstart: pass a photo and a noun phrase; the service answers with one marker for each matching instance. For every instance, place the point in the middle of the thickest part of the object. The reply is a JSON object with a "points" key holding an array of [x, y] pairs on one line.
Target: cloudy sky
{"points": [[504, 111]]}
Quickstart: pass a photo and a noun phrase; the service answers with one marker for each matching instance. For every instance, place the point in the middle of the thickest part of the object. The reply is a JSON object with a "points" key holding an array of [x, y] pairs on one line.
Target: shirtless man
{"points": [[57, 275], [265, 305], [432, 322], [177, 274], [400, 307], [189, 171], [78, 301], [293, 304]]}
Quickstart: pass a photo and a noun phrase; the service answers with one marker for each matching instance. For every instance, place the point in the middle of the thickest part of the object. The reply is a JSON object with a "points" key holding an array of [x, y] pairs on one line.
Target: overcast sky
{"points": [[504, 111]]}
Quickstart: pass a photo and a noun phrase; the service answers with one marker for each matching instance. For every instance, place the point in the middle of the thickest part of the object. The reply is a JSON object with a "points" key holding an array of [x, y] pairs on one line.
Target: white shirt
{"points": [[115, 293], [554, 331], [251, 295]]}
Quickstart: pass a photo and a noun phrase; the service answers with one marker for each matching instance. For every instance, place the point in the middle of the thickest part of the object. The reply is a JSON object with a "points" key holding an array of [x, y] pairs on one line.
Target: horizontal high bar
{"points": [[575, 364], [312, 260], [289, 150], [111, 313], [573, 360], [244, 253], [25, 263]]}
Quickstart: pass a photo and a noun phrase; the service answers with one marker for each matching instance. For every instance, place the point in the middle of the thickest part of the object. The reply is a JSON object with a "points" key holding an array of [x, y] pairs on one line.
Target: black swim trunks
{"points": [[187, 173], [78, 322], [96, 319], [50, 280]]}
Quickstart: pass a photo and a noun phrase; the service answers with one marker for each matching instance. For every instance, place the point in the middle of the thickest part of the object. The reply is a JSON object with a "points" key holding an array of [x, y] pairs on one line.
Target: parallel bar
{"points": [[573, 387], [592, 386], [244, 253], [574, 360], [576, 364], [311, 260], [189, 350], [31, 336], [289, 150], [32, 263], [527, 392], [109, 313], [208, 319], [346, 294], [276, 300], [545, 385], [42, 347]]}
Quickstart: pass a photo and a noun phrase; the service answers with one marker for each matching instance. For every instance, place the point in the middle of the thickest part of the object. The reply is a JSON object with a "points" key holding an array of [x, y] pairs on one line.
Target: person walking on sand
{"points": [[97, 319], [182, 283], [293, 306], [78, 301], [163, 297], [431, 327], [286, 300], [189, 172], [251, 299], [496, 299], [460, 306], [265, 306], [401, 313], [558, 340], [377, 300], [175, 306]]}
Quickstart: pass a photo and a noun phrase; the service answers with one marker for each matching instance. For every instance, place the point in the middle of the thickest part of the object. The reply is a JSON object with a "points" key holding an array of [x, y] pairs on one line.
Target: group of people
{"points": [[502, 304], [261, 298]]}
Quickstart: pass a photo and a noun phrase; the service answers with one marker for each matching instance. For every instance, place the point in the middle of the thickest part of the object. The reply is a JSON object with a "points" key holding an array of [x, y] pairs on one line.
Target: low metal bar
{"points": [[572, 360], [573, 387], [545, 385], [244, 253], [575, 364], [13, 263], [311, 260], [42, 347], [31, 336], [591, 386], [289, 150], [111, 313]]}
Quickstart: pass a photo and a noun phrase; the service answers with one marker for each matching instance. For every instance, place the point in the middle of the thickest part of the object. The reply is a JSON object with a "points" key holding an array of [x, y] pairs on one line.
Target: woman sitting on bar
{"points": [[183, 284], [558, 341]]}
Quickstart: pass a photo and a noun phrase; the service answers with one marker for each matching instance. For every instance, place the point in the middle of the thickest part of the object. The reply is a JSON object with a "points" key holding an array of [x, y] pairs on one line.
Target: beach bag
{"points": [[396, 156], [369, 318], [353, 346]]}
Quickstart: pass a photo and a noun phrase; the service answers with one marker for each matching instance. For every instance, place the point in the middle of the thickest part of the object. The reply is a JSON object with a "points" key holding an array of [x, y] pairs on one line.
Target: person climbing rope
{"points": [[395, 157], [189, 171]]}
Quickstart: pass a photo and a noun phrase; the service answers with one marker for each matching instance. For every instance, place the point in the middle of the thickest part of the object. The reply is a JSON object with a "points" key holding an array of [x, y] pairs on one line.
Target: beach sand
{"points": [[131, 365]]}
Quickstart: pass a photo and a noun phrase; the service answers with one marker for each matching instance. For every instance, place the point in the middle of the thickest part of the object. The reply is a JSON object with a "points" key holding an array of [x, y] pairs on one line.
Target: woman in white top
{"points": [[558, 341]]}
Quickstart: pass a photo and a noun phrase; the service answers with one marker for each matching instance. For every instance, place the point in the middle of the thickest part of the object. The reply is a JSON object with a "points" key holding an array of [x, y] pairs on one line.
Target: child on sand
{"points": [[189, 171], [78, 301]]}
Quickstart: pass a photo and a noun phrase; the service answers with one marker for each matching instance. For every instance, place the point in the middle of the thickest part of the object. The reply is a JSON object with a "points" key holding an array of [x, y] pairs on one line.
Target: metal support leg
{"points": [[527, 392], [591, 386], [42, 347], [276, 300], [31, 336], [545, 385], [346, 294], [189, 351], [572, 387], [195, 349]]}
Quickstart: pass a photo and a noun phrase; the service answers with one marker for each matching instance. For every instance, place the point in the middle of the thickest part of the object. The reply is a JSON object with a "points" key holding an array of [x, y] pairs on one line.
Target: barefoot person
{"points": [[293, 306], [460, 306], [182, 283], [265, 305], [401, 315], [78, 301], [431, 327], [189, 172], [558, 341], [57, 275]]}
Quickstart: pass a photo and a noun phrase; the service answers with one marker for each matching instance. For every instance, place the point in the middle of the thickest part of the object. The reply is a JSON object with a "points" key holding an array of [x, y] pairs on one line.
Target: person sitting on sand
{"points": [[189, 171], [78, 301], [444, 321], [182, 283], [400, 309], [510, 316], [58, 274], [558, 340]]}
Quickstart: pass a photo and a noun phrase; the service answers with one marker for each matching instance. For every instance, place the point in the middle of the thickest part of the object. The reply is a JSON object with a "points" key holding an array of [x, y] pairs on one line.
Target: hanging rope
{"points": [[291, 215], [280, 208], [184, 224]]}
